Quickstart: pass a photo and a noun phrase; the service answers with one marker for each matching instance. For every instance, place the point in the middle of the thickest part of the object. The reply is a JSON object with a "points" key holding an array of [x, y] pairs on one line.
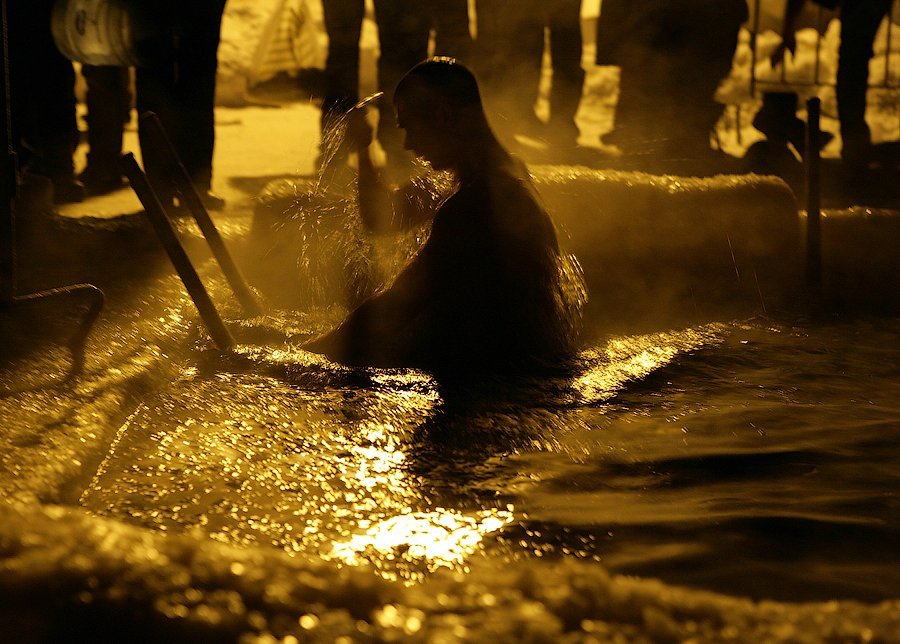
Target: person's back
{"points": [[488, 270]]}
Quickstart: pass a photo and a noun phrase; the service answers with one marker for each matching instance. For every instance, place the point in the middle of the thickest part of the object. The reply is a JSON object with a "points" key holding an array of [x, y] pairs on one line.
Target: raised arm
{"points": [[388, 208], [374, 197]]}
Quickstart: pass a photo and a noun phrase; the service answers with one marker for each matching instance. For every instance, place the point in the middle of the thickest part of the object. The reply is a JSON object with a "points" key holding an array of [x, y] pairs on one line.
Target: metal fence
{"points": [[823, 17]]}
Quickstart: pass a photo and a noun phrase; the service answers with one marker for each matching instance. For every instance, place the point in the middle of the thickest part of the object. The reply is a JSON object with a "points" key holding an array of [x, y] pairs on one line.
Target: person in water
{"points": [[485, 290]]}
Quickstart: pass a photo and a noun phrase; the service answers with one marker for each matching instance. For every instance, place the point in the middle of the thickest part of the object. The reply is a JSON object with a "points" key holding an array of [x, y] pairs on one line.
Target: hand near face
{"points": [[359, 132]]}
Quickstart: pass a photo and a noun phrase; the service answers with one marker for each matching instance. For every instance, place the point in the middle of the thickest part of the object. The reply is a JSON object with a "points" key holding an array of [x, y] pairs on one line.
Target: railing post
{"points": [[176, 252], [813, 169], [7, 175], [163, 146]]}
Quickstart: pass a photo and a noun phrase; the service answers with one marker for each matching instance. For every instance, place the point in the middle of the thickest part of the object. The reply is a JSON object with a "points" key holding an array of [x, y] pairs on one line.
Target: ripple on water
{"points": [[276, 446], [647, 458]]}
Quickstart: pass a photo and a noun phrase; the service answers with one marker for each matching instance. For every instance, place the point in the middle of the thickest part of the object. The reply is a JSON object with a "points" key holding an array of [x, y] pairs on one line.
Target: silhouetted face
{"points": [[424, 135]]}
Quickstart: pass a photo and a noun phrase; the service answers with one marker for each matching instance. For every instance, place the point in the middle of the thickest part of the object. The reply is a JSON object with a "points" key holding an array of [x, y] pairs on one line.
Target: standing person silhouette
{"points": [[485, 289], [42, 95], [343, 23], [108, 102], [180, 88], [859, 24], [510, 49], [672, 55]]}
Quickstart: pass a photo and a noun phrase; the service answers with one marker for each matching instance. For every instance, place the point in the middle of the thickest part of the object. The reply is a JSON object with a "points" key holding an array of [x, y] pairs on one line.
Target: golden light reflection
{"points": [[379, 460], [427, 540], [633, 357], [228, 227], [253, 460]]}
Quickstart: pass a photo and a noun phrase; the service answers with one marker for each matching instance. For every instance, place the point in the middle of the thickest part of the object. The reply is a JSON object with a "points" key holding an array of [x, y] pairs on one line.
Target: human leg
{"points": [[195, 88], [404, 27], [108, 110], [45, 130], [343, 23], [627, 35], [450, 19], [510, 48], [859, 24], [705, 59], [155, 92], [568, 74]]}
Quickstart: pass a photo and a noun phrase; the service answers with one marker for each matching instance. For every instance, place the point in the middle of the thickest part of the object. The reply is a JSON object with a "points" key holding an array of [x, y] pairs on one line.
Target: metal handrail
{"points": [[817, 81]]}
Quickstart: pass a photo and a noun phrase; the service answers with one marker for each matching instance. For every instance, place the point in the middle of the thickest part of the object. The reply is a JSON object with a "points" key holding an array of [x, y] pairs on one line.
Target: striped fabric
{"points": [[290, 41]]}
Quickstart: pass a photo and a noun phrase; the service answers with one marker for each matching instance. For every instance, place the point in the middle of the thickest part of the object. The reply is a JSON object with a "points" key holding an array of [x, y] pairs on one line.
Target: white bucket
{"points": [[107, 32]]}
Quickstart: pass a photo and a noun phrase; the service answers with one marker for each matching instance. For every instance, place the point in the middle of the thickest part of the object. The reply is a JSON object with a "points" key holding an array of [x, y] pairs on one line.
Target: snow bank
{"points": [[64, 572], [661, 247]]}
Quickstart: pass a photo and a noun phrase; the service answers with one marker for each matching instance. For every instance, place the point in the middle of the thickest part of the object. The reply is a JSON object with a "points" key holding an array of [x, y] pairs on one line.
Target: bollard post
{"points": [[754, 33], [160, 141], [176, 252], [7, 175], [813, 163]]}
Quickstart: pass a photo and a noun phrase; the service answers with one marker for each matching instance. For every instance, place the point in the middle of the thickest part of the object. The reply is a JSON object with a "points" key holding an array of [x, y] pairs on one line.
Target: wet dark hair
{"points": [[447, 82]]}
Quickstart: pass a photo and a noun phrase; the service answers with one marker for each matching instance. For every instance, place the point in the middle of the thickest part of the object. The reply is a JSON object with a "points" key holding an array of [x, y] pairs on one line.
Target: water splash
{"points": [[335, 260]]}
